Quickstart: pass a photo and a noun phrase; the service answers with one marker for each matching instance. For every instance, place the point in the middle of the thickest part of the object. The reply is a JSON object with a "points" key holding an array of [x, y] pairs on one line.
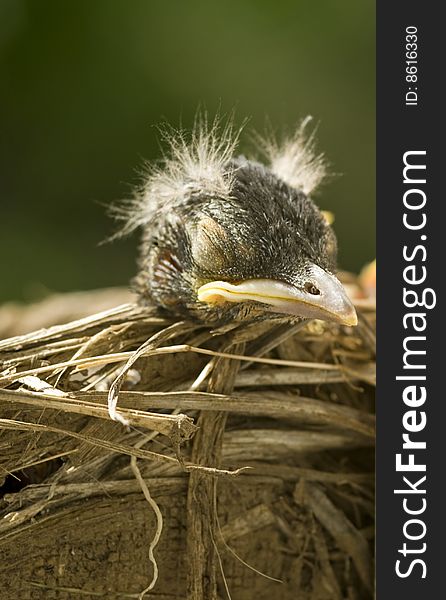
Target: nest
{"points": [[245, 468]]}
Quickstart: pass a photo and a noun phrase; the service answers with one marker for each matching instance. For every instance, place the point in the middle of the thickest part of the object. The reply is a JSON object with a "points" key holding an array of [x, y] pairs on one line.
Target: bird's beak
{"points": [[322, 296]]}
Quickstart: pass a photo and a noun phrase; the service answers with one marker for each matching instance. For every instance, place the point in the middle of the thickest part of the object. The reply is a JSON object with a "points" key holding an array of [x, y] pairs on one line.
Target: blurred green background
{"points": [[83, 83]]}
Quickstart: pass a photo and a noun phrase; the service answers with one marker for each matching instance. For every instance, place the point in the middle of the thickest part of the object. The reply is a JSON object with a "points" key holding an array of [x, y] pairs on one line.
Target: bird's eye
{"points": [[312, 289]]}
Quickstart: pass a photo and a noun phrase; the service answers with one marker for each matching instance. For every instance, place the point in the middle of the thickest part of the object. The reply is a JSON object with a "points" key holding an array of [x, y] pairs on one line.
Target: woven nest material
{"points": [[245, 471]]}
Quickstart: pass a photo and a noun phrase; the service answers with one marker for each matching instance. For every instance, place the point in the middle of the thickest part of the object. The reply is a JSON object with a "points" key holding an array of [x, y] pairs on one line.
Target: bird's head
{"points": [[233, 240]]}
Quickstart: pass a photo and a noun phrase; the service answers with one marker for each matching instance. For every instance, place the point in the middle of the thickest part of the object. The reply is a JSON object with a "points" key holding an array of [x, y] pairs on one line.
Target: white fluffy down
{"points": [[294, 159], [198, 163]]}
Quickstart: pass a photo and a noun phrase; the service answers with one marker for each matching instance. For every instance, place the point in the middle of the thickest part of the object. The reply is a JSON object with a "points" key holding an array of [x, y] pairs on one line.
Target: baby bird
{"points": [[227, 238]]}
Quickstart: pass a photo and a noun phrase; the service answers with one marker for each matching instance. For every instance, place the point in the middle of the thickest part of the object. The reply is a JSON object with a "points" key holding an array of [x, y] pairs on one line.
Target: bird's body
{"points": [[231, 239]]}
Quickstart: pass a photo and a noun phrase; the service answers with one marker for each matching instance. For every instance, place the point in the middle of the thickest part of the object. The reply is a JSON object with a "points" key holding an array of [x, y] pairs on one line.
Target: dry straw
{"points": [[262, 434]]}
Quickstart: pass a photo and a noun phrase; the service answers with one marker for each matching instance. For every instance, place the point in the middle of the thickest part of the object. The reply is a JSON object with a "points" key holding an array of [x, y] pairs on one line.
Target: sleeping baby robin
{"points": [[227, 238]]}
